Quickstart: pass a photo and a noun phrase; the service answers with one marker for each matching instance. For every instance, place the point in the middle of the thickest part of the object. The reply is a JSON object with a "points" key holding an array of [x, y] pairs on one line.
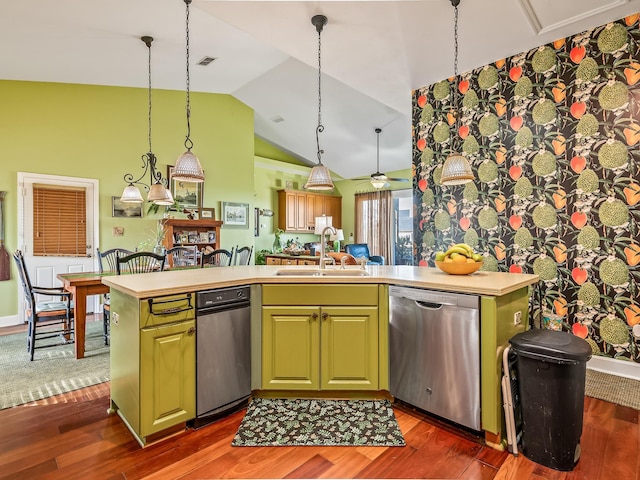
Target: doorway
{"points": [[43, 269]]}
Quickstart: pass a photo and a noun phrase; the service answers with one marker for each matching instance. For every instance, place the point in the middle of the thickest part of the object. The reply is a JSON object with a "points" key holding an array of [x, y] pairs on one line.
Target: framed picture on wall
{"points": [[208, 213], [125, 209], [186, 194], [235, 215]]}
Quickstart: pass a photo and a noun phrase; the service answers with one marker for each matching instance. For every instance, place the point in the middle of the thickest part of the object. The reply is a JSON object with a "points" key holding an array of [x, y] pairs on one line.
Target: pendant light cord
{"points": [[156, 176], [455, 4], [188, 143], [378, 150], [320, 127], [148, 42]]}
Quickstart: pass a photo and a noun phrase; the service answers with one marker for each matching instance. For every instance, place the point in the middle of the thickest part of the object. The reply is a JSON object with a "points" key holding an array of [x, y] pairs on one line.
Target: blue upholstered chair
{"points": [[361, 250]]}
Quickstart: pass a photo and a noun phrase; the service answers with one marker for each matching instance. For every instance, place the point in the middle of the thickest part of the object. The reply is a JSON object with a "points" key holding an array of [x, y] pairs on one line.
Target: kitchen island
{"points": [[148, 342]]}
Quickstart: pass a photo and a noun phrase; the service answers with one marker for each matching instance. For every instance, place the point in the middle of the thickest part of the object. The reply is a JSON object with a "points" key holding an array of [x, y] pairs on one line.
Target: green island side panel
{"points": [[497, 327]]}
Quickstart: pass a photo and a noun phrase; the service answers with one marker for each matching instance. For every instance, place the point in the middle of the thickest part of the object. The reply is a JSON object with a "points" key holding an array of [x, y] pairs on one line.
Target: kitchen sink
{"points": [[317, 272]]}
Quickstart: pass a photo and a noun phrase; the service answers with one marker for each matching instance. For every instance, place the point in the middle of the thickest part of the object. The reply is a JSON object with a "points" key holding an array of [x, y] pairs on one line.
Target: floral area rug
{"points": [[288, 422]]}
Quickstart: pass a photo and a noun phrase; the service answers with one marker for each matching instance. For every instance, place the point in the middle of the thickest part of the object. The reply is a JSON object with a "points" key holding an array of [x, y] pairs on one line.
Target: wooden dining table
{"points": [[81, 285]]}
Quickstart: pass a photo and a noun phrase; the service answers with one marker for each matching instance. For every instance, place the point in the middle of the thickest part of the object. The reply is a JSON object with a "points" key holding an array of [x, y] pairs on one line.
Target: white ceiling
{"points": [[373, 54]]}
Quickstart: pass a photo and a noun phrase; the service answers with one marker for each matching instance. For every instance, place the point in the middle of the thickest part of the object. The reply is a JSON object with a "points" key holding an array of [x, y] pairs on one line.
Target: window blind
{"points": [[59, 221]]}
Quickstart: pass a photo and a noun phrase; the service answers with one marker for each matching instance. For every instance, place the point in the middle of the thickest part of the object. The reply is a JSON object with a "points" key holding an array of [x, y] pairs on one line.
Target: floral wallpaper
{"points": [[553, 138]]}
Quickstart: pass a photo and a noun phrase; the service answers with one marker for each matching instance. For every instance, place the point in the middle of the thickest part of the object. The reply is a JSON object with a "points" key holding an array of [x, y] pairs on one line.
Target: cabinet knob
{"points": [[314, 316], [325, 316], [191, 331]]}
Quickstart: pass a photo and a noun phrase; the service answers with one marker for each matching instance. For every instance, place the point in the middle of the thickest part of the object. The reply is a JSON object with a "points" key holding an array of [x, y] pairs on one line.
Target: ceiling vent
{"points": [[206, 61], [277, 119]]}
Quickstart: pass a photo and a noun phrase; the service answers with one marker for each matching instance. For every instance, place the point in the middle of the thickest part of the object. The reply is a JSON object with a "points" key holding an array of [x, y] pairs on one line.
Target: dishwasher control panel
{"points": [[222, 296]]}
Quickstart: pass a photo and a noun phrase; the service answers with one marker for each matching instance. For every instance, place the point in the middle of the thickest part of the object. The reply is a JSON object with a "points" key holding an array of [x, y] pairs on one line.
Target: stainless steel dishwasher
{"points": [[434, 352], [223, 351]]}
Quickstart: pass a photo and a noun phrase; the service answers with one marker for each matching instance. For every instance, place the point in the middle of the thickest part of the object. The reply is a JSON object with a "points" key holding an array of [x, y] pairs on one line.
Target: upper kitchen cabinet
{"points": [[298, 210]]}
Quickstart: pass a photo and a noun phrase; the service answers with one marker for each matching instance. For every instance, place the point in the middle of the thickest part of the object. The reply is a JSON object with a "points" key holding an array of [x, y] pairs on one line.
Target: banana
{"points": [[465, 246], [457, 249]]}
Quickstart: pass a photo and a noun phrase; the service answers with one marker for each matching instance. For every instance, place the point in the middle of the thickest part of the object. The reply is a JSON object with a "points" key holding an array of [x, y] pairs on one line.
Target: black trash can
{"points": [[551, 368]]}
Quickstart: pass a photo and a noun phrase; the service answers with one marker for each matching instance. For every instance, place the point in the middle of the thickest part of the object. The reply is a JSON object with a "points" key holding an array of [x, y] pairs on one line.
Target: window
{"points": [[403, 227], [59, 221], [373, 221]]}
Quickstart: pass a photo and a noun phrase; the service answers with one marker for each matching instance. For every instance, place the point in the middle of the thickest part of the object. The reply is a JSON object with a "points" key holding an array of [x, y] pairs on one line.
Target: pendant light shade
{"points": [[131, 194], [188, 168], [456, 169], [167, 200], [157, 190], [319, 179], [320, 176]]}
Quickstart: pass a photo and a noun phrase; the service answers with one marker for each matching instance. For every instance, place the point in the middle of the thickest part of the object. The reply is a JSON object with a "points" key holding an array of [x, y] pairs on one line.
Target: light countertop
{"points": [[145, 285]]}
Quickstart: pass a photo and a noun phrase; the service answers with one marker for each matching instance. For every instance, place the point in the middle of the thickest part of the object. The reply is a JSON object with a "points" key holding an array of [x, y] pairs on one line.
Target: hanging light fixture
{"points": [[456, 169], [188, 168], [320, 177], [378, 180], [158, 193]]}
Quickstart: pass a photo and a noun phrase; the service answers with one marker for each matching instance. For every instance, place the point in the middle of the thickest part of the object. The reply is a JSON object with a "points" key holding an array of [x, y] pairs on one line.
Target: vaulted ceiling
{"points": [[374, 53]]}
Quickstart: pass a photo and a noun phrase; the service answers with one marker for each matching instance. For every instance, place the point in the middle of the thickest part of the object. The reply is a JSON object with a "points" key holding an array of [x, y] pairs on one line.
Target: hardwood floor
{"points": [[71, 436]]}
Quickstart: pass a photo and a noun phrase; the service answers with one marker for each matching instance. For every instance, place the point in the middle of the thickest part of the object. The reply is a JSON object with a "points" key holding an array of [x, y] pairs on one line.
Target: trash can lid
{"points": [[551, 344]]}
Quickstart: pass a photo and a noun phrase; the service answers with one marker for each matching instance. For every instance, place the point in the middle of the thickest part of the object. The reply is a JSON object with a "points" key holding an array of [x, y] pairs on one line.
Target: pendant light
{"points": [[378, 180], [188, 168], [320, 177], [158, 193], [456, 169]]}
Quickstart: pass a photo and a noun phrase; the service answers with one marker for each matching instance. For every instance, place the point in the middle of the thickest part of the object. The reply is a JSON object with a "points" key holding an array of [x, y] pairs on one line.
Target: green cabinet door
{"points": [[349, 353], [290, 348], [167, 376]]}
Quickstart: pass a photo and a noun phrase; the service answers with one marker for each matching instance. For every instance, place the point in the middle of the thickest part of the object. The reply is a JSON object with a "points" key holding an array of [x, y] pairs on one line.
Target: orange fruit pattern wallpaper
{"points": [[553, 137]]}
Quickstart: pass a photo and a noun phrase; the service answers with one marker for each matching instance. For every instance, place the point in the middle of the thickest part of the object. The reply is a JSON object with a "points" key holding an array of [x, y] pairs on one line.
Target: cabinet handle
{"points": [[191, 331], [314, 316], [325, 316]]}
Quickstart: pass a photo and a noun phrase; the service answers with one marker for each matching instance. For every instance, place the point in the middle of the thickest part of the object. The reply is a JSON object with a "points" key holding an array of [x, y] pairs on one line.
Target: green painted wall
{"points": [[264, 149], [101, 132], [271, 176]]}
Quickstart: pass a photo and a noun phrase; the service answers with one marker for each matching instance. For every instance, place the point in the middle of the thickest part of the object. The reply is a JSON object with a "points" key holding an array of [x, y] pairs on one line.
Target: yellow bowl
{"points": [[454, 268]]}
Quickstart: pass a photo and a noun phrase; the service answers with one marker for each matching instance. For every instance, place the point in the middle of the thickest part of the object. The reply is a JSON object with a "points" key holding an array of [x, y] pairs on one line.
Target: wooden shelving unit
{"points": [[201, 233]]}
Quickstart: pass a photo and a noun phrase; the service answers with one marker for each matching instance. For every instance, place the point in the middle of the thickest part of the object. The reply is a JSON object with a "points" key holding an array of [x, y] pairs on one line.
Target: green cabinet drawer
{"points": [[314, 294], [167, 309]]}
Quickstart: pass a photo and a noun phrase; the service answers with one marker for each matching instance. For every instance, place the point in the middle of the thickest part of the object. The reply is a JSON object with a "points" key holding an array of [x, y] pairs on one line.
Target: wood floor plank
{"points": [[312, 468], [479, 471], [347, 462], [71, 437]]}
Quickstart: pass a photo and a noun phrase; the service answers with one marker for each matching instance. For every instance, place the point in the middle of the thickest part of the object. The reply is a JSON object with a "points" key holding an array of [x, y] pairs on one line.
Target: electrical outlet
{"points": [[517, 318], [115, 318]]}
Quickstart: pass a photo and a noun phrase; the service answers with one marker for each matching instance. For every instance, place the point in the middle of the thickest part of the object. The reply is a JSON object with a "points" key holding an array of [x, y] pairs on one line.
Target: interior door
{"points": [[43, 270]]}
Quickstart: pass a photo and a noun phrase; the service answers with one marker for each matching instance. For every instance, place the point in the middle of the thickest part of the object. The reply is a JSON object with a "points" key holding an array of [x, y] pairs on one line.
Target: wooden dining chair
{"points": [[110, 257], [182, 256], [47, 319], [217, 258], [141, 262], [243, 255]]}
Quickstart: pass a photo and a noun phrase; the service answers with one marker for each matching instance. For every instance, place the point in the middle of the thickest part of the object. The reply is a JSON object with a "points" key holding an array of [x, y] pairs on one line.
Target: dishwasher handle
{"points": [[222, 308], [430, 305]]}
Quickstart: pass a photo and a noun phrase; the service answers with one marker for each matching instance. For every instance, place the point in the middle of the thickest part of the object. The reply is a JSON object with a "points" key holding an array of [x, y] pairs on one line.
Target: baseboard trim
{"points": [[622, 368], [10, 321]]}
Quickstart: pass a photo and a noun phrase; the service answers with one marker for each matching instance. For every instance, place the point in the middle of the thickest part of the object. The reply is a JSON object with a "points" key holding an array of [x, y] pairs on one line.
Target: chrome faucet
{"points": [[323, 244]]}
